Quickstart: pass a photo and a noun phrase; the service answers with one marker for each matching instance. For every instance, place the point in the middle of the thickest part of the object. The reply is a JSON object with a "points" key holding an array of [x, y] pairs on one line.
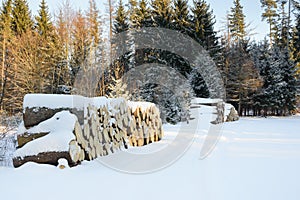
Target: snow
{"points": [[255, 158], [53, 101], [205, 101], [143, 105], [60, 128]]}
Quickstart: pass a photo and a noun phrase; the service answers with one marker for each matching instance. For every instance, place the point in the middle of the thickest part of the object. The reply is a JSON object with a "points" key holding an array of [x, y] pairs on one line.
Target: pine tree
{"points": [[270, 16], [22, 21], [5, 35], [237, 24]]}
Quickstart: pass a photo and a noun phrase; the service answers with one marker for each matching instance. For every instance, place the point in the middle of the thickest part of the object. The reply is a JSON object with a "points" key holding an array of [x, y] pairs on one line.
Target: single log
{"points": [[50, 158], [27, 137], [34, 116]]}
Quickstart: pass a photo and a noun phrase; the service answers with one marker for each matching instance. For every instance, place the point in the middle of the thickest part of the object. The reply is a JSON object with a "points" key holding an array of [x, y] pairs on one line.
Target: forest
{"points": [[44, 53]]}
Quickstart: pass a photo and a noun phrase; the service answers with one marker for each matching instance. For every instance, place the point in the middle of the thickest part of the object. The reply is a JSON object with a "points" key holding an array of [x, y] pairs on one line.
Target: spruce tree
{"points": [[94, 33], [270, 16], [121, 65], [5, 36], [203, 22], [93, 24], [133, 14], [181, 16], [22, 21], [144, 14], [281, 90], [121, 21], [80, 42], [44, 25], [161, 11], [282, 34], [237, 24], [296, 44]]}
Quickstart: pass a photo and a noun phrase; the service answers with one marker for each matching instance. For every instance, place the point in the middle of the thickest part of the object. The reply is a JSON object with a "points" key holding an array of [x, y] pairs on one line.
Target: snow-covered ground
{"points": [[255, 159]]}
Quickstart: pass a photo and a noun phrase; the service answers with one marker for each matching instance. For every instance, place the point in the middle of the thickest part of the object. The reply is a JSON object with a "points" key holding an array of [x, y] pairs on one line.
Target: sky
{"points": [[252, 10]]}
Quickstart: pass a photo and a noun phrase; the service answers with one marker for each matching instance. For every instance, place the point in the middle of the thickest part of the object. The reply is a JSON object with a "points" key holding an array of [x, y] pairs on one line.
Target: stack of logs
{"points": [[145, 126], [108, 128]]}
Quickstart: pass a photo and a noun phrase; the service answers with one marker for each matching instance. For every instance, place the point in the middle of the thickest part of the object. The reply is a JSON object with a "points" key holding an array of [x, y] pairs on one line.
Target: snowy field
{"points": [[254, 159]]}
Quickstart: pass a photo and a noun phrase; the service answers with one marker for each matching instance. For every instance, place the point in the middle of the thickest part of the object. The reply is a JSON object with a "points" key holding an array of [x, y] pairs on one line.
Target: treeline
{"points": [[260, 77], [42, 55]]}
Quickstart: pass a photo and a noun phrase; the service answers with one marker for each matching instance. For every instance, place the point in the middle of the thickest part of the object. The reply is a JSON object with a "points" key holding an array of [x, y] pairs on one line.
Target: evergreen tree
{"points": [[121, 21], [278, 92], [202, 30], [296, 43], [22, 21], [93, 25], [144, 14], [94, 34], [133, 14], [242, 78], [203, 26], [44, 25], [80, 41], [270, 16], [181, 16], [281, 90], [5, 36], [161, 11], [237, 25], [282, 35], [121, 65]]}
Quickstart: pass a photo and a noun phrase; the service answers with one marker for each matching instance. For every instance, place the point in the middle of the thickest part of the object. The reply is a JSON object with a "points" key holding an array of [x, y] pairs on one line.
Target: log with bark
{"points": [[44, 158]]}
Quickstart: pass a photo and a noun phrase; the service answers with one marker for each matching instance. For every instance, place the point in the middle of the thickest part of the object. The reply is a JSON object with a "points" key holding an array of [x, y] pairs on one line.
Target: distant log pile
{"points": [[108, 125]]}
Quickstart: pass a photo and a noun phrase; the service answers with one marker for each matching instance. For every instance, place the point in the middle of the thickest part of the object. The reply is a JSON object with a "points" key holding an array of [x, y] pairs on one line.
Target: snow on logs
{"points": [[40, 107], [105, 126], [49, 147]]}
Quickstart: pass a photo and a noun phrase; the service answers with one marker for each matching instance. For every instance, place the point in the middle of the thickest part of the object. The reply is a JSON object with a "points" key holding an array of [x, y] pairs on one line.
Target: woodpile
{"points": [[109, 125], [145, 125], [102, 132]]}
